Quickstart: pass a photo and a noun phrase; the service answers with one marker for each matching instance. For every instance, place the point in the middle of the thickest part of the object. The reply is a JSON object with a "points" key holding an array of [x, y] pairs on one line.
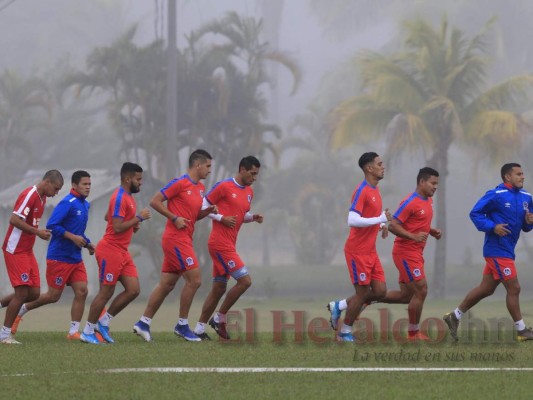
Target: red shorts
{"points": [[178, 257], [364, 268], [410, 266], [227, 263], [59, 273], [501, 269], [22, 269], [113, 263]]}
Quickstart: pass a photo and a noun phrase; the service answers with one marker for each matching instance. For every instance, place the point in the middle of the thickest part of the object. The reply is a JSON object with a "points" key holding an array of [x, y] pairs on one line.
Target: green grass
{"points": [[47, 366]]}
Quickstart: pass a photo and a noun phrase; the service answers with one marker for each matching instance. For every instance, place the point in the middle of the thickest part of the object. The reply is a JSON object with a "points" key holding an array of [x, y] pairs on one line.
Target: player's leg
{"points": [[19, 297], [99, 302], [78, 306], [419, 289], [218, 288], [512, 286], [193, 280], [362, 291], [131, 292], [486, 288], [4, 301], [402, 296]]}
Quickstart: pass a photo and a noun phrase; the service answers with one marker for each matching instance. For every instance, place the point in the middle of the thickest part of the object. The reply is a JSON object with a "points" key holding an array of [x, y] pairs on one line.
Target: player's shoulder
{"points": [[525, 193]]}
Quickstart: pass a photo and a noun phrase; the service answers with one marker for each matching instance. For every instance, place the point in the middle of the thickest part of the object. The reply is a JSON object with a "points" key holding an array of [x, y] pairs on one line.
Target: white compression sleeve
{"points": [[356, 221]]}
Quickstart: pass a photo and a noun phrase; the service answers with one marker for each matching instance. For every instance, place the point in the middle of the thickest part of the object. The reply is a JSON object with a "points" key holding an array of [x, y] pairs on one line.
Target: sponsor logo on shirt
{"points": [[189, 192], [78, 212], [422, 212]]}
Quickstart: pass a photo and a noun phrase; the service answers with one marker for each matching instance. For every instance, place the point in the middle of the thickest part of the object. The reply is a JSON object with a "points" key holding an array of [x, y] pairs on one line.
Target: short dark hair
{"points": [[366, 159], [425, 173], [508, 168], [76, 176], [129, 169], [249, 162], [199, 155], [53, 176]]}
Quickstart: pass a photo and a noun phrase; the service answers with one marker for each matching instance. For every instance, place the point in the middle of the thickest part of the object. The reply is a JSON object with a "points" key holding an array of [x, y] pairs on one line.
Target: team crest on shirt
{"points": [[109, 277], [231, 264], [362, 276], [59, 281], [249, 198], [417, 272], [24, 277], [507, 271], [189, 261]]}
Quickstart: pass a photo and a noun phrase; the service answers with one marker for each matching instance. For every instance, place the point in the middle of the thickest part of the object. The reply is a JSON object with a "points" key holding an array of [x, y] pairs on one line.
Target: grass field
{"points": [[47, 366]]}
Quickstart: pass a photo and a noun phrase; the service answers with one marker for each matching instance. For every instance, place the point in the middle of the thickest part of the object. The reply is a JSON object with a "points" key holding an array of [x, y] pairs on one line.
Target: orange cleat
{"points": [[74, 336], [418, 336], [15, 325]]}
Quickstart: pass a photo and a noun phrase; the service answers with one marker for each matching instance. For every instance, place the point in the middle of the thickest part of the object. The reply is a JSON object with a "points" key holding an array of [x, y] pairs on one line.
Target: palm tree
{"points": [[429, 97], [25, 104]]}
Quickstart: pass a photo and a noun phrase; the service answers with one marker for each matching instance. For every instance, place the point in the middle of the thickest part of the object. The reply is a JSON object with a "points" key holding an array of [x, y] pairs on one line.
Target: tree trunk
{"points": [[440, 163]]}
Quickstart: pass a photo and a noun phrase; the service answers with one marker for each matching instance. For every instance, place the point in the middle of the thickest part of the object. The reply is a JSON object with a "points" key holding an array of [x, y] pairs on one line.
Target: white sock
{"points": [[74, 326], [23, 310], [146, 320], [520, 325], [183, 321], [346, 328], [343, 304], [458, 313], [200, 328], [413, 327], [89, 328], [5, 332], [106, 319]]}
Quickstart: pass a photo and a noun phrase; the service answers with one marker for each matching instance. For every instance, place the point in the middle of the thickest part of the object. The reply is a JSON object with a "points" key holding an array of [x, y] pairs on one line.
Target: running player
{"points": [[184, 197], [21, 265], [115, 263], [64, 264], [365, 219], [412, 225], [501, 213], [233, 197]]}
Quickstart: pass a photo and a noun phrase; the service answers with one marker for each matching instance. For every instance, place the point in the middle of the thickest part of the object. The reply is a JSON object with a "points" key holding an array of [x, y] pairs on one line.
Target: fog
{"points": [[83, 86]]}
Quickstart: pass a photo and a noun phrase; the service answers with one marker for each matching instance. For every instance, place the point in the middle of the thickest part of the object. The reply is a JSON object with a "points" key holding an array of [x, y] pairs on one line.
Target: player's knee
{"points": [[33, 296], [195, 283], [81, 293], [245, 281], [133, 293], [514, 288]]}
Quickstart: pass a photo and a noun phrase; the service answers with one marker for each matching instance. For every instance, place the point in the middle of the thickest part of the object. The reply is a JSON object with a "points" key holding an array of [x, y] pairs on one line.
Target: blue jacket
{"points": [[502, 205], [71, 215]]}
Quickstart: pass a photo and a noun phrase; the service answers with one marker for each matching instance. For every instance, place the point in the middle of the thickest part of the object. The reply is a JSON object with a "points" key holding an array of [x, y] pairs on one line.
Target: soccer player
{"points": [[21, 265], [412, 225], [233, 197], [184, 197], [365, 219], [64, 264], [115, 263], [501, 213]]}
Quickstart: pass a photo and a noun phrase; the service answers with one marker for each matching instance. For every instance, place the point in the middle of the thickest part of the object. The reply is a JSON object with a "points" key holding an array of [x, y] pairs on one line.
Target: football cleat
{"points": [[142, 329], [104, 331], [92, 339], [220, 328], [453, 323], [416, 336], [345, 337], [15, 325], [333, 308], [185, 332], [74, 336], [9, 340], [204, 336], [525, 334]]}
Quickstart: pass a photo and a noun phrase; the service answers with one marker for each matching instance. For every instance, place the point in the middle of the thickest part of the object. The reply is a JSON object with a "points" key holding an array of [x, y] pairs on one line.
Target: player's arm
{"points": [[55, 224], [227, 220], [436, 233], [207, 209], [397, 229], [479, 212], [249, 217], [120, 225], [158, 204], [20, 223], [355, 220]]}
